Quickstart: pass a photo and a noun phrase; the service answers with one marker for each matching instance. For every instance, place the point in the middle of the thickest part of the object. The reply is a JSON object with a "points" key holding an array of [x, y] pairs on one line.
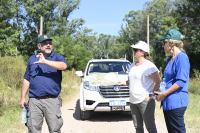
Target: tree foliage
{"points": [[7, 34], [189, 25], [161, 18], [20, 26]]}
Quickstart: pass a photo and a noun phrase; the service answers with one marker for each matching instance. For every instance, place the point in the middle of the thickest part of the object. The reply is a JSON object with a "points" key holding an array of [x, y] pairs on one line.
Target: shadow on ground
{"points": [[103, 116]]}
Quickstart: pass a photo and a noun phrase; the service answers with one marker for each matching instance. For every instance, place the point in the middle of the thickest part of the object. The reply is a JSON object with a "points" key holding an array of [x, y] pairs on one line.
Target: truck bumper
{"points": [[93, 100]]}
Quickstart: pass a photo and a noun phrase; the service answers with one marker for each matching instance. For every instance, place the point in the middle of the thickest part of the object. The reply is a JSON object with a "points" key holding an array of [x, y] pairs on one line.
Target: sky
{"points": [[105, 16]]}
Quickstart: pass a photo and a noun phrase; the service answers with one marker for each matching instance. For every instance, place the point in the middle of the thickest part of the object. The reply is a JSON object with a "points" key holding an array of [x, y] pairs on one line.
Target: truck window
{"points": [[106, 67]]}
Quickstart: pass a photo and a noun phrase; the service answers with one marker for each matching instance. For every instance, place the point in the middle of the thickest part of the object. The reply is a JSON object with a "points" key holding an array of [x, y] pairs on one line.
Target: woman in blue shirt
{"points": [[175, 98]]}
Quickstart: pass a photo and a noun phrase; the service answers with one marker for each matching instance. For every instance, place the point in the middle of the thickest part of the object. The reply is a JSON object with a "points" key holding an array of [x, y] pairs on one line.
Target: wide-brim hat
{"points": [[172, 34], [43, 38], [141, 45]]}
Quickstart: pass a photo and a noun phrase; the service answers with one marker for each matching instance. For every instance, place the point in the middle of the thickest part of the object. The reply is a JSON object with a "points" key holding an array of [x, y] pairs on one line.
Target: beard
{"points": [[45, 51]]}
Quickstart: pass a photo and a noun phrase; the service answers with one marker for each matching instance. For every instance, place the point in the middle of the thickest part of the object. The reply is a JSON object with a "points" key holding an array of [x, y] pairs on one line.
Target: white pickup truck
{"points": [[103, 97]]}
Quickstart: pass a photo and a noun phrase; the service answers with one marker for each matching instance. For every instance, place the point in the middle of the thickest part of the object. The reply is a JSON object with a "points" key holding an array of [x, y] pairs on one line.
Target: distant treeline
{"points": [[20, 26]]}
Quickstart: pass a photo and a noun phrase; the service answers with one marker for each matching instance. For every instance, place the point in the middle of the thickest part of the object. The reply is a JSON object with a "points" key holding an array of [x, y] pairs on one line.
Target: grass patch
{"points": [[191, 116], [11, 77], [11, 117], [194, 86], [70, 85]]}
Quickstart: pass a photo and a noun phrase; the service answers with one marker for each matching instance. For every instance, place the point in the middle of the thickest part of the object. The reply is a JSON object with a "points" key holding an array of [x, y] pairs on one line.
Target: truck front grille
{"points": [[109, 92]]}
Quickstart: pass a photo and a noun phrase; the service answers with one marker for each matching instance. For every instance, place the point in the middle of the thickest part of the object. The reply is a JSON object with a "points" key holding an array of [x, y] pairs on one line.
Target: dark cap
{"points": [[172, 34], [43, 38]]}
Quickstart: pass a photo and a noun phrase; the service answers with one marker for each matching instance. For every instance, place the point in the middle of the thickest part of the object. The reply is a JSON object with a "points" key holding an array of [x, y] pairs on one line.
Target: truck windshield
{"points": [[106, 67]]}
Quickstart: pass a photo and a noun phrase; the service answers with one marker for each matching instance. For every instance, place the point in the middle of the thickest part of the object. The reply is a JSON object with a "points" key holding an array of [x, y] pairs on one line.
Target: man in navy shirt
{"points": [[43, 79]]}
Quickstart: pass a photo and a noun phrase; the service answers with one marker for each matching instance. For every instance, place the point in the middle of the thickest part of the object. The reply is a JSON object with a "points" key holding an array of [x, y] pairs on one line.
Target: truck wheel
{"points": [[85, 115]]}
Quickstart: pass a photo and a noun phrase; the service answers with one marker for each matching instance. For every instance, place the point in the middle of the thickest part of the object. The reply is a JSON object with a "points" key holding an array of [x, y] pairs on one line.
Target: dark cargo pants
{"points": [[48, 108], [144, 111]]}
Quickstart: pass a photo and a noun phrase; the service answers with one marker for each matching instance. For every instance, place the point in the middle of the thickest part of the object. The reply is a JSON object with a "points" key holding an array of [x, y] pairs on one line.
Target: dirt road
{"points": [[100, 122]]}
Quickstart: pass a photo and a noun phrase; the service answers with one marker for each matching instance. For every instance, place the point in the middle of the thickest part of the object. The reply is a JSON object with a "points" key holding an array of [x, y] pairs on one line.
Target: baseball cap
{"points": [[141, 45], [172, 34], [43, 38]]}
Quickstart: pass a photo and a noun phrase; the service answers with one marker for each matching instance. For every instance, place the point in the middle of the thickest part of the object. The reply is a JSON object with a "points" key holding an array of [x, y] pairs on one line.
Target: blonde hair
{"points": [[148, 57], [178, 43]]}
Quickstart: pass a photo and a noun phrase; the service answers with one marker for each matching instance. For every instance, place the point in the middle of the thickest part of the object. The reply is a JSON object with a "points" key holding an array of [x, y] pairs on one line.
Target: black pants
{"points": [[174, 120]]}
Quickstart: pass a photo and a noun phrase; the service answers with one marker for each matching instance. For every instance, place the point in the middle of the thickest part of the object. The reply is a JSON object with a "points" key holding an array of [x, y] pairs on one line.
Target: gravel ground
{"points": [[100, 122]]}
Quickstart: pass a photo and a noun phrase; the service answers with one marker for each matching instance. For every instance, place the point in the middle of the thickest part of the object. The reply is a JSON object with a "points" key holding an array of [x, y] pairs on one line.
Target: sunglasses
{"points": [[46, 43], [135, 50], [163, 42]]}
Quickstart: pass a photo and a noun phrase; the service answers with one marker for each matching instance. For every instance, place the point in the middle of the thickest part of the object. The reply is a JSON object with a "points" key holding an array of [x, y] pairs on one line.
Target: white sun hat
{"points": [[141, 45]]}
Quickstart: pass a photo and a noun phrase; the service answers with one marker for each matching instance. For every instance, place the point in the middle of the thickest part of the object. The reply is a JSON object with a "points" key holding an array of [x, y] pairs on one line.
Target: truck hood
{"points": [[120, 77]]}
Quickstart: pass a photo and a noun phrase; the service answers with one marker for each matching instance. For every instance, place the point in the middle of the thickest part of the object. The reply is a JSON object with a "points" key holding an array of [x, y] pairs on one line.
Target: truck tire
{"points": [[85, 115]]}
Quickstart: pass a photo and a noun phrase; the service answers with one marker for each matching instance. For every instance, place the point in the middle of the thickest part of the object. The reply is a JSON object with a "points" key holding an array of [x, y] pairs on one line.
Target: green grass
{"points": [[194, 86], [11, 79], [191, 117]]}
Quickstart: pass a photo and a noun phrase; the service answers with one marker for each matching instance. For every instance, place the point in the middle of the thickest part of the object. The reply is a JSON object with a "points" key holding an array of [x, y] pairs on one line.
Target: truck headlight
{"points": [[91, 88]]}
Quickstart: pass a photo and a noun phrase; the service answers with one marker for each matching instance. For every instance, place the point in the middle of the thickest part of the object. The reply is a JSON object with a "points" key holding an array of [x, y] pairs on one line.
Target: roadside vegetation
{"points": [[192, 116], [19, 22], [11, 76]]}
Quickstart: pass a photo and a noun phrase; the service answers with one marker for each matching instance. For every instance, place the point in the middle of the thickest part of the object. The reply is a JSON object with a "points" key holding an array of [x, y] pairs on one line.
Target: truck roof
{"points": [[108, 60]]}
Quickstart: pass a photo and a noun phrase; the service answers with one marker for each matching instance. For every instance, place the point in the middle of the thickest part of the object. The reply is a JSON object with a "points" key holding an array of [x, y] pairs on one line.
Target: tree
{"points": [[55, 13], [161, 18], [7, 32], [189, 25], [75, 55], [104, 45]]}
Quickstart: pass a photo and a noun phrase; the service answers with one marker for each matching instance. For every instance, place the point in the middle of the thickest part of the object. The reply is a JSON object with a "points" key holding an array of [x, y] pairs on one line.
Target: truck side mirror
{"points": [[79, 74]]}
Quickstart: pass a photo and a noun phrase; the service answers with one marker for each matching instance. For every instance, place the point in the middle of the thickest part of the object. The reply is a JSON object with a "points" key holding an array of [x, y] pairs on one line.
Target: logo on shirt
{"points": [[116, 88]]}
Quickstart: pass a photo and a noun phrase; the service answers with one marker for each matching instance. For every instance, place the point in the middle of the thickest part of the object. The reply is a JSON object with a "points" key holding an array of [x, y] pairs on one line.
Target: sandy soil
{"points": [[100, 122]]}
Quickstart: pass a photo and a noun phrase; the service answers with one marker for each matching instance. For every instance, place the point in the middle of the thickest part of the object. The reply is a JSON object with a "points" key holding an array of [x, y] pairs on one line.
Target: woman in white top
{"points": [[142, 76]]}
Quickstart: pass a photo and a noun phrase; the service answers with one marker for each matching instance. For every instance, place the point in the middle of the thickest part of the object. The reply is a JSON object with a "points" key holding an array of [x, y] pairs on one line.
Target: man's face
{"points": [[46, 47]]}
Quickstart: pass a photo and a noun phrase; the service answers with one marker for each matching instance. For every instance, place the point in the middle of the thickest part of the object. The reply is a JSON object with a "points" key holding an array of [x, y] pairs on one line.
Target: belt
{"points": [[47, 96]]}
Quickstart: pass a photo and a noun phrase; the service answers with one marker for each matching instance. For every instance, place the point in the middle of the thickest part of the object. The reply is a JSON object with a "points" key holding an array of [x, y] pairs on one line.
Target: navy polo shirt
{"points": [[44, 80]]}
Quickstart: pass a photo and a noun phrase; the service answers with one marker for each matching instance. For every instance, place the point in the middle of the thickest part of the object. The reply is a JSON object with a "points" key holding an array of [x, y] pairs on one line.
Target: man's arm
{"points": [[25, 87], [59, 65]]}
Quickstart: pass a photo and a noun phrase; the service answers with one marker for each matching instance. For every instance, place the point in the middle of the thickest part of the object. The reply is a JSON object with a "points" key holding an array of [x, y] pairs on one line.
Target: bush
{"points": [[12, 71]]}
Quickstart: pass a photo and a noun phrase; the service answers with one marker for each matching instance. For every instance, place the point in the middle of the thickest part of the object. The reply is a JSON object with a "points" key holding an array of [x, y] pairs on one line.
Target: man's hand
{"points": [[41, 59], [22, 103]]}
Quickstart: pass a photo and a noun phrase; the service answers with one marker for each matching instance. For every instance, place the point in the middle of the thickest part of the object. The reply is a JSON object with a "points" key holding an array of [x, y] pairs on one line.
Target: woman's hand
{"points": [[149, 98], [160, 96], [121, 82]]}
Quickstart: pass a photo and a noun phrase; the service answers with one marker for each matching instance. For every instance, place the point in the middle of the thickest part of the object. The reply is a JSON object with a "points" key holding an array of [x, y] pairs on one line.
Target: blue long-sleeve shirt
{"points": [[177, 72], [44, 80]]}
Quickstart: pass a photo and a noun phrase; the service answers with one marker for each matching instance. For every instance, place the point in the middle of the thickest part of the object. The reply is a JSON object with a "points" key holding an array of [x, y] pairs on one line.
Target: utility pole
{"points": [[41, 25], [148, 32]]}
